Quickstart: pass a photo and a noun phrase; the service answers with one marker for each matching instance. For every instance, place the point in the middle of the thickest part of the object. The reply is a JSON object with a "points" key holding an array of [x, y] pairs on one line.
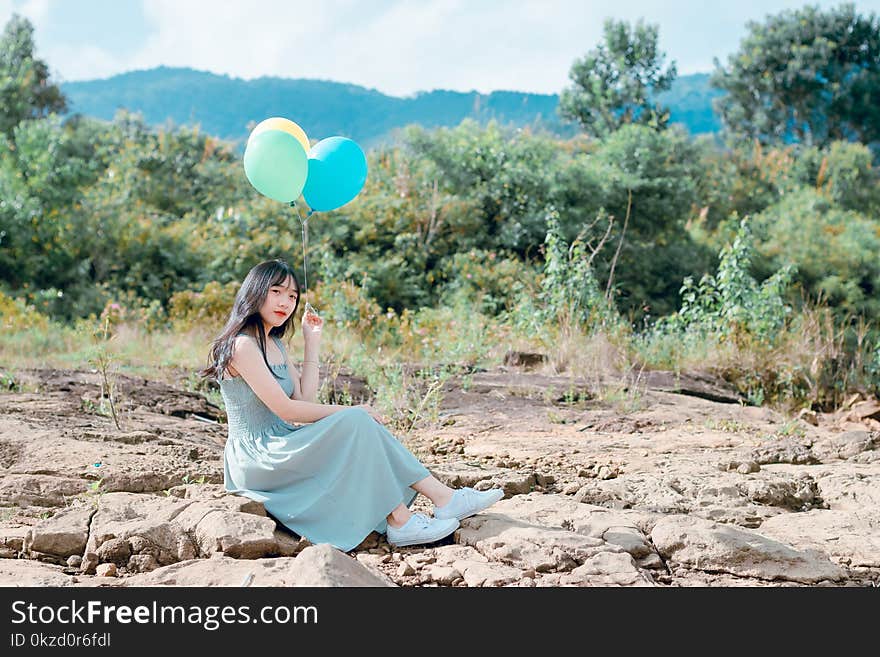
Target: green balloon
{"points": [[276, 165]]}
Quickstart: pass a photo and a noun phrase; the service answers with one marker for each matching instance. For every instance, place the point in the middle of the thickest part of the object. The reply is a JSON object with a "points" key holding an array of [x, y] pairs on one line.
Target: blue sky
{"points": [[396, 46]]}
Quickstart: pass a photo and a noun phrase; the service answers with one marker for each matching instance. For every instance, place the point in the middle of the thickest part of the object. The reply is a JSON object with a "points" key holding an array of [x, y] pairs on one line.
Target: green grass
{"points": [[726, 425], [789, 428]]}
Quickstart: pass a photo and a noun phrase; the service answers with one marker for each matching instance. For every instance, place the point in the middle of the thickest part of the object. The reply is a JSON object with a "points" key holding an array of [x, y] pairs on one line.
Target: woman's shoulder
{"points": [[244, 344]]}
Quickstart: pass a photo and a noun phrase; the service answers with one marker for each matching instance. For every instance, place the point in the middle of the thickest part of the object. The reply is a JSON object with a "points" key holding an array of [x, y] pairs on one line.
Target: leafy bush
{"points": [[569, 292], [209, 307], [731, 304], [348, 305], [834, 250], [843, 172], [17, 315], [747, 332], [484, 276]]}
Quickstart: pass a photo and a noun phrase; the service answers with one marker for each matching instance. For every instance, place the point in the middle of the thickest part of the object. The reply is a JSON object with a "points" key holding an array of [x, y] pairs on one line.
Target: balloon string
{"points": [[305, 241], [304, 223]]}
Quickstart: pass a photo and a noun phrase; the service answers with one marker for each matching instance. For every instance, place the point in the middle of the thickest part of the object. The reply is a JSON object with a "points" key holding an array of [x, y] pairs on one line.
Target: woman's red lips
{"points": [[278, 312]]}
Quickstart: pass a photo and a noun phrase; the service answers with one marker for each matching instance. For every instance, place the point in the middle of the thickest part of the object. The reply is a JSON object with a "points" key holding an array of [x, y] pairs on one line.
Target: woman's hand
{"points": [[376, 415], [312, 324]]}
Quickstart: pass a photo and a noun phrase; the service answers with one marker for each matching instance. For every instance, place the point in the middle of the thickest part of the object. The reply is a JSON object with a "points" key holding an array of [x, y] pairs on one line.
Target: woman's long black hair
{"points": [[245, 315]]}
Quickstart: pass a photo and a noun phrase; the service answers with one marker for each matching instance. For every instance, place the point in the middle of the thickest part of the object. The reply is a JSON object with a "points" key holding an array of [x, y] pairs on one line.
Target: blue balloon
{"points": [[337, 173]]}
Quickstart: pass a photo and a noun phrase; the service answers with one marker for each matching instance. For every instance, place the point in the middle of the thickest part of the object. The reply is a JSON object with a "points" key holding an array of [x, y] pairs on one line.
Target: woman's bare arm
{"points": [[310, 373], [247, 360], [309, 380], [296, 377]]}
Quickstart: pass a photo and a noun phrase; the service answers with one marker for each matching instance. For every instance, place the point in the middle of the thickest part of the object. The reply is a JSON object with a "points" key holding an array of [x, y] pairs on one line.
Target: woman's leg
{"points": [[399, 516], [436, 491], [439, 493]]}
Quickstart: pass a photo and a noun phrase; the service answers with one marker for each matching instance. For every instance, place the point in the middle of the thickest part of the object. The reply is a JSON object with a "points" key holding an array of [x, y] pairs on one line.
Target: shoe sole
{"points": [[499, 496], [423, 540]]}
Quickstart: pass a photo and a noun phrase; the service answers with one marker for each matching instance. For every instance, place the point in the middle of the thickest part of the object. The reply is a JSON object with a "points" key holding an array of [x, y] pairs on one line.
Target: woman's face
{"points": [[280, 302]]}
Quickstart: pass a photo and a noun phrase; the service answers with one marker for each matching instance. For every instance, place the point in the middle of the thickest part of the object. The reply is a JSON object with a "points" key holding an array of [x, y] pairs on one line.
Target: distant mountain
{"points": [[690, 103], [229, 107]]}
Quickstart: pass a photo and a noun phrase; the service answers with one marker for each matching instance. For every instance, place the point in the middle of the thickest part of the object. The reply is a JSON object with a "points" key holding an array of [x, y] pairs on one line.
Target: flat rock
{"points": [[851, 488], [24, 572], [850, 538], [848, 445], [324, 565], [709, 546], [607, 569], [474, 568], [12, 541], [63, 535], [623, 528], [786, 451], [695, 383], [527, 546], [318, 565], [171, 528], [219, 571], [23, 490]]}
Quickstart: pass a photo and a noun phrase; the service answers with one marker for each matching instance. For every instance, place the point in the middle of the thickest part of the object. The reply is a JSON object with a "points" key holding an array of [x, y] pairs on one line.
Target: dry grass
{"points": [[605, 360], [814, 362], [809, 364]]}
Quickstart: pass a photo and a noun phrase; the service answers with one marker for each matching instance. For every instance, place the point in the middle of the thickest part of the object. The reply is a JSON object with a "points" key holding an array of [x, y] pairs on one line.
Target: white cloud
{"points": [[407, 46], [36, 11], [401, 46], [86, 62], [242, 39]]}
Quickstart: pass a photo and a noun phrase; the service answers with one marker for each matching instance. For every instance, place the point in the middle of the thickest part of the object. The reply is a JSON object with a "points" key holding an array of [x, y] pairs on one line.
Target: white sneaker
{"points": [[466, 502], [421, 529]]}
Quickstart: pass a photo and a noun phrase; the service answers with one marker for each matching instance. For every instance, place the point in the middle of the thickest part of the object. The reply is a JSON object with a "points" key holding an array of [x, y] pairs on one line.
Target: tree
{"points": [[25, 90], [613, 83], [805, 76], [834, 249], [649, 176], [506, 175]]}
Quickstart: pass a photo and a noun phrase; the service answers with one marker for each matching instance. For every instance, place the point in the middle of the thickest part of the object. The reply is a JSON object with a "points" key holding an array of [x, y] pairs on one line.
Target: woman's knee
{"points": [[354, 416]]}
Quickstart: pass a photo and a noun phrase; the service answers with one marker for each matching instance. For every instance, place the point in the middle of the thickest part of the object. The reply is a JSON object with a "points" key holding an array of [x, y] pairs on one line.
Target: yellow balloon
{"points": [[280, 123]]}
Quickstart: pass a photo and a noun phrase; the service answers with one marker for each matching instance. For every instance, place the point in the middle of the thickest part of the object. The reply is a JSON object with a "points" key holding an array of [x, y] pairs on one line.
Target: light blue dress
{"points": [[333, 481]]}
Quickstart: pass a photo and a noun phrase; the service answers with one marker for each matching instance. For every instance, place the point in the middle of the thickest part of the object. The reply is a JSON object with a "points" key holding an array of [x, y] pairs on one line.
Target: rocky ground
{"points": [[674, 483]]}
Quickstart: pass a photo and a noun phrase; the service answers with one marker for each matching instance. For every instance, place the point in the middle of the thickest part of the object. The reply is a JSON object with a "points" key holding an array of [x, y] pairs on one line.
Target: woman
{"points": [[328, 472]]}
